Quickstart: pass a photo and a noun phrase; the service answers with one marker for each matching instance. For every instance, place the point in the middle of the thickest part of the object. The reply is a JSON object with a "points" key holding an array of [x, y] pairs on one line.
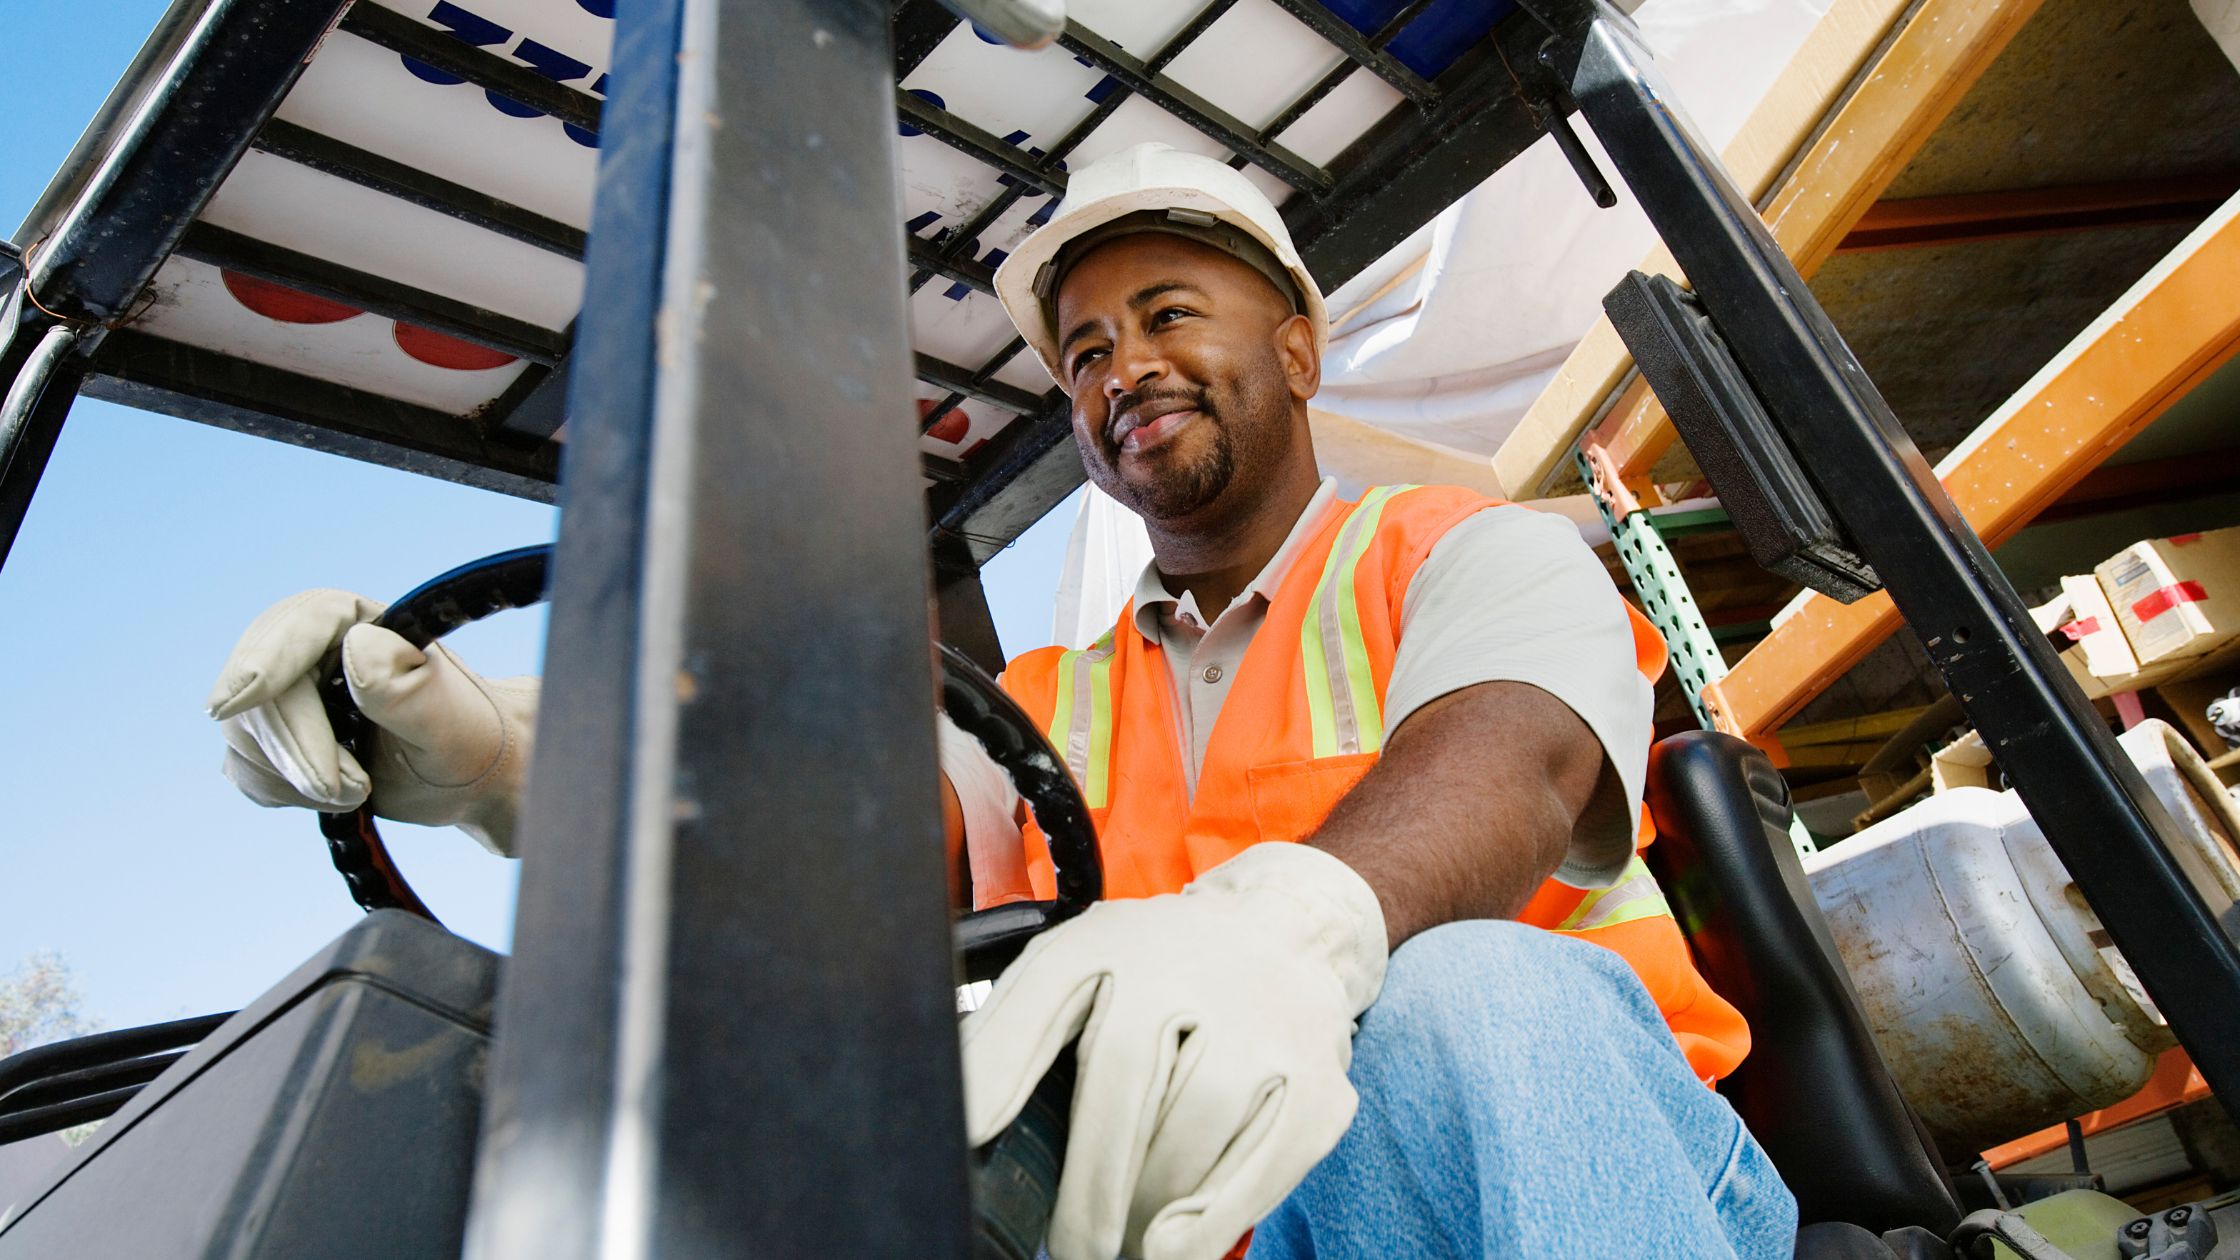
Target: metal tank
{"points": [[1990, 986]]}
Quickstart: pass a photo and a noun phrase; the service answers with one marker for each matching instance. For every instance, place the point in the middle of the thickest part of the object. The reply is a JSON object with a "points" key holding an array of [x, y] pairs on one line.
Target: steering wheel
{"points": [[986, 940], [1014, 1177]]}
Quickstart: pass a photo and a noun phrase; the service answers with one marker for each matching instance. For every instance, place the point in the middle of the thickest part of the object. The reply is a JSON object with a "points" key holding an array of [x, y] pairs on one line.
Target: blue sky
{"points": [[150, 546]]}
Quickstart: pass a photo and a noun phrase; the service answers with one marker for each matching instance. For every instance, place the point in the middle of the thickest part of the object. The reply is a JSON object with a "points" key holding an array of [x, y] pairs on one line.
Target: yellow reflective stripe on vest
{"points": [[1081, 727], [1634, 896], [1342, 705]]}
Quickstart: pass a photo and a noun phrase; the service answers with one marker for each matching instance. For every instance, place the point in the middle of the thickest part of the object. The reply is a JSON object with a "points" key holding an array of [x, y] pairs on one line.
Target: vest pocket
{"points": [[1291, 798]]}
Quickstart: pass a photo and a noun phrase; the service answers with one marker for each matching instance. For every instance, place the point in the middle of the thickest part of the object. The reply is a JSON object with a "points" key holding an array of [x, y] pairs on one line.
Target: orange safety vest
{"points": [[1302, 723]]}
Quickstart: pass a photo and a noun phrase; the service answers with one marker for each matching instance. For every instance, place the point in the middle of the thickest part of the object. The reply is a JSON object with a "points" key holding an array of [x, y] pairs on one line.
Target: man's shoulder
{"points": [[1474, 520], [1039, 662], [1443, 500], [1416, 519], [1507, 546]]}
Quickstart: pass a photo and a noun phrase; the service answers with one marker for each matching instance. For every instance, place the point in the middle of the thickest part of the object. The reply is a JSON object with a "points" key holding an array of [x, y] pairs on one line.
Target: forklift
{"points": [[728, 1021]]}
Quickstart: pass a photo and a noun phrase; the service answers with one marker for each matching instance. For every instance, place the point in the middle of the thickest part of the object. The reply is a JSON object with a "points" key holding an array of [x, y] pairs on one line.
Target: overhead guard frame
{"points": [[213, 104]]}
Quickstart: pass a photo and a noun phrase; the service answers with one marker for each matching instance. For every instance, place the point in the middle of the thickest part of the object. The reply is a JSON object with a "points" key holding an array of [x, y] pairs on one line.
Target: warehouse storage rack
{"points": [[1832, 158]]}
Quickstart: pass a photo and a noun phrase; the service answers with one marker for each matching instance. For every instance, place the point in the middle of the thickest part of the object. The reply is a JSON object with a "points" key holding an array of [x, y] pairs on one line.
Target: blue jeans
{"points": [[1521, 1096]]}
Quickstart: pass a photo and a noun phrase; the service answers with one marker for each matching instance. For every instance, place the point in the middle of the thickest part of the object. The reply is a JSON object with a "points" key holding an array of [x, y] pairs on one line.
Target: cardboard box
{"points": [[2177, 598], [2094, 629], [2049, 615], [2097, 654], [2097, 687], [1964, 762]]}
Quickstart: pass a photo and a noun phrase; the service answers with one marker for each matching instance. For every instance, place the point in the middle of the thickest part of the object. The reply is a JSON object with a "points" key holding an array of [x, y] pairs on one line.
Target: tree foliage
{"points": [[39, 1003]]}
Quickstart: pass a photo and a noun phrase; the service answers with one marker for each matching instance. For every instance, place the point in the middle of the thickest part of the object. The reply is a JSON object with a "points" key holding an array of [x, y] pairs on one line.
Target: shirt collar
{"points": [[1152, 599]]}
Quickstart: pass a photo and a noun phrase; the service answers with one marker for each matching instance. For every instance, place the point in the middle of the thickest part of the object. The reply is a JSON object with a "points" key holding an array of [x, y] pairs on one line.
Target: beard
{"points": [[1183, 482]]}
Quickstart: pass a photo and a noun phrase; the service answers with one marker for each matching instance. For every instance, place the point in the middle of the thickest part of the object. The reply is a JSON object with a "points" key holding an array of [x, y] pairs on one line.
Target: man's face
{"points": [[1183, 365]]}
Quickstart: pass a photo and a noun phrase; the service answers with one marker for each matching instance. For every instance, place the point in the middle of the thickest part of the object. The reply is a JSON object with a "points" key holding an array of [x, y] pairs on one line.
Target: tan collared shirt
{"points": [[1507, 595], [1202, 658]]}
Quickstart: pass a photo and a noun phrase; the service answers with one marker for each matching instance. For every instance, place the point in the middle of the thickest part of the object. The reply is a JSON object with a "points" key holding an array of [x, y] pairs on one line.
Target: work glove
{"points": [[448, 746], [1215, 1028]]}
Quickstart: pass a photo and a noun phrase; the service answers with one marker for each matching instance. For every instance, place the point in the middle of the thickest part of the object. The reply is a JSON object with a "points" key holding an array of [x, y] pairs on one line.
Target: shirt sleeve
{"points": [[994, 845], [1513, 595]]}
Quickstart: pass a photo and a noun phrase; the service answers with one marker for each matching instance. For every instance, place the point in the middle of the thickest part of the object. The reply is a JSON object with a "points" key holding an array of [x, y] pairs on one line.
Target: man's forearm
{"points": [[1470, 808]]}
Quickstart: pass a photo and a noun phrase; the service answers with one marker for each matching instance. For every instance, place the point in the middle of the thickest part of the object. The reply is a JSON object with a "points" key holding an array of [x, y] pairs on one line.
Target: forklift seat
{"points": [[1814, 1089]]}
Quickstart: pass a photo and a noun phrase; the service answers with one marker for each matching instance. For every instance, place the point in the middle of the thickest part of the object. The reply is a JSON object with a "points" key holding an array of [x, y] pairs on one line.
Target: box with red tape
{"points": [[2176, 597]]}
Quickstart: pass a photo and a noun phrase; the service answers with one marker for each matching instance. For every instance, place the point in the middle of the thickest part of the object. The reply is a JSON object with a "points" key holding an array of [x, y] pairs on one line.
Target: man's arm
{"points": [[1472, 806], [1518, 729]]}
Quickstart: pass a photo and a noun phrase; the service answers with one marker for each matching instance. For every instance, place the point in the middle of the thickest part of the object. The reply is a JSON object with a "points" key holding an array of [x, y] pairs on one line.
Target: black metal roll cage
{"points": [[728, 1020]]}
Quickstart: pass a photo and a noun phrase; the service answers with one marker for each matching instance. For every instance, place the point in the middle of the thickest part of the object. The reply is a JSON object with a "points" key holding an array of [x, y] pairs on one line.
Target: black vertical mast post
{"points": [[2096, 810], [728, 1028]]}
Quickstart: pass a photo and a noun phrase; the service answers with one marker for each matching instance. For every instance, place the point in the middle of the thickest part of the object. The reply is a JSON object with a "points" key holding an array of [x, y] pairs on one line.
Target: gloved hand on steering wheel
{"points": [[1215, 1028], [449, 747]]}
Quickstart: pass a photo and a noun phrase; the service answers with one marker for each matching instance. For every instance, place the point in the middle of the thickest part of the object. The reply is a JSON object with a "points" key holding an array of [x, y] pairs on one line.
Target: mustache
{"points": [[1136, 401]]}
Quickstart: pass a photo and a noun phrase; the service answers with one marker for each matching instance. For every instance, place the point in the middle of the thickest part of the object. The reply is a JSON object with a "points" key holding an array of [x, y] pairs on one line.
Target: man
{"points": [[1372, 761]]}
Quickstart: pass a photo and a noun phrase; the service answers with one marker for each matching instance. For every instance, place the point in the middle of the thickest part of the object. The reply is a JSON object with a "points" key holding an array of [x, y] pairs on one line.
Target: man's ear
{"points": [[1302, 368]]}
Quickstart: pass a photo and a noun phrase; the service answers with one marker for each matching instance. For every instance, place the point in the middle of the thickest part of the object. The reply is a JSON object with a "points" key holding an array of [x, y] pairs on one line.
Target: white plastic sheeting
{"points": [[1448, 339], [1105, 555], [1507, 281]]}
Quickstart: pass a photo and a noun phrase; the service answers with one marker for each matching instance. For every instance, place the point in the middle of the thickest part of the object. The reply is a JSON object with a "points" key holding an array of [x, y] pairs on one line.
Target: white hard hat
{"points": [[1154, 188]]}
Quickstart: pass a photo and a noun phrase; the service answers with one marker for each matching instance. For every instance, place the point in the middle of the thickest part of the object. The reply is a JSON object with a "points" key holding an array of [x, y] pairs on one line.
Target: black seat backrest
{"points": [[1814, 1089]]}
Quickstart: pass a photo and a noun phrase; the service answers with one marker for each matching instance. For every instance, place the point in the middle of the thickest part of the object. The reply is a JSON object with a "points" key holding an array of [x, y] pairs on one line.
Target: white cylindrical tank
{"points": [[1991, 987]]}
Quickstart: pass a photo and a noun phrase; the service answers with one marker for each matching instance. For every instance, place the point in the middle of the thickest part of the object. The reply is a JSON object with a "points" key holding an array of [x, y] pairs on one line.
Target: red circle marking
{"points": [[950, 428], [438, 350], [280, 303]]}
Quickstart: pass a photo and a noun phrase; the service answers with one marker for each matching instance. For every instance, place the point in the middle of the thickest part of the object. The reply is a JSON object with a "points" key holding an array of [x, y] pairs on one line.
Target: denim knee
{"points": [[1491, 972]]}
